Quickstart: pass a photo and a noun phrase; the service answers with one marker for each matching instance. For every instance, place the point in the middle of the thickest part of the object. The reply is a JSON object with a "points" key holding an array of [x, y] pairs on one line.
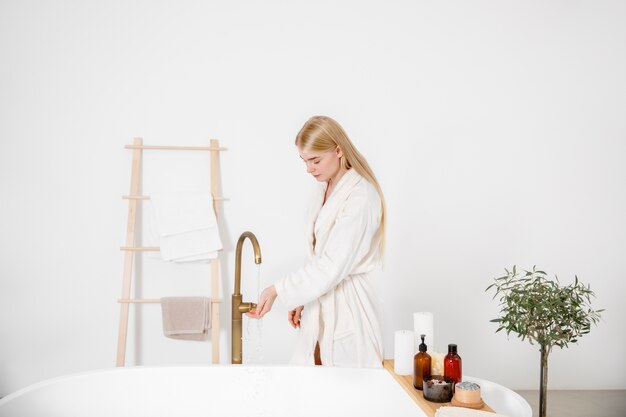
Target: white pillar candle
{"points": [[403, 352], [423, 324]]}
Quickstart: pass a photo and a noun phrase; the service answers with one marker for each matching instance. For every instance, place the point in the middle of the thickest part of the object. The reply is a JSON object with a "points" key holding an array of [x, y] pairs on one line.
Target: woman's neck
{"points": [[332, 182]]}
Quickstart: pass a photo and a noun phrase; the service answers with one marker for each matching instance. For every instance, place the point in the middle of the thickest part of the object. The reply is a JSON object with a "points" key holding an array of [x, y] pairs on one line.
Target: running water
{"points": [[248, 336], [258, 281], [258, 294], [258, 291], [252, 336], [259, 323]]}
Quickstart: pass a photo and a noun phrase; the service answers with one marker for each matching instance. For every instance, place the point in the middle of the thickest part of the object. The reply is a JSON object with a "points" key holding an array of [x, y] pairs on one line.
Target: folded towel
{"points": [[186, 226], [182, 212], [464, 412], [188, 246], [187, 318]]}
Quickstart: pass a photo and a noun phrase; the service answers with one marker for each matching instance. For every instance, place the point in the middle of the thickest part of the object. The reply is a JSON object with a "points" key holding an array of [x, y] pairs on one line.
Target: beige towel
{"points": [[187, 318]]}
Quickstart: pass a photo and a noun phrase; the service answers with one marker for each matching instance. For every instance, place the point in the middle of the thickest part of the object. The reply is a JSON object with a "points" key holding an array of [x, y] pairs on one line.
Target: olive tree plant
{"points": [[545, 312]]}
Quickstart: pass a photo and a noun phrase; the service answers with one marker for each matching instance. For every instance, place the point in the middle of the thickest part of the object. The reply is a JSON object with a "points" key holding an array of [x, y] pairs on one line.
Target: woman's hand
{"points": [[294, 316], [265, 303]]}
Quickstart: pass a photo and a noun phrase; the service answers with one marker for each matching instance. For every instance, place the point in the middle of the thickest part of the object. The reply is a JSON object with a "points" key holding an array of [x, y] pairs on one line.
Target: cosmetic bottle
{"points": [[421, 362], [452, 364]]}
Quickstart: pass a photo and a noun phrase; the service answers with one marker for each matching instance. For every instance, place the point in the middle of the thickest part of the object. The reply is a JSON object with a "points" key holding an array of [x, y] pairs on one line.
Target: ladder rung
{"points": [[177, 148], [147, 197], [140, 248], [152, 300], [139, 301]]}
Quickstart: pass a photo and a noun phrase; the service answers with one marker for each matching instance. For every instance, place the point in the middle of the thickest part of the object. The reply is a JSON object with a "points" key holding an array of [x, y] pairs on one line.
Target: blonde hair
{"points": [[322, 134]]}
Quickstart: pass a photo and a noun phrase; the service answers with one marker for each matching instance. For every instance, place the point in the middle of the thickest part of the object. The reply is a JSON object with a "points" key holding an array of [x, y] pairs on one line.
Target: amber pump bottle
{"points": [[452, 364], [421, 363]]}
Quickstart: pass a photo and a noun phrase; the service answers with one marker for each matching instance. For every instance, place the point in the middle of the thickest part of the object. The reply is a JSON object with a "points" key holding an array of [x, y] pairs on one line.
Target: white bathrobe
{"points": [[341, 310]]}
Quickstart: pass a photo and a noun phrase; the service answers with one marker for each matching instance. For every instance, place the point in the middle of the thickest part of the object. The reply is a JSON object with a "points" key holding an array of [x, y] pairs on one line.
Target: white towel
{"points": [[182, 212], [194, 245], [186, 226], [464, 412]]}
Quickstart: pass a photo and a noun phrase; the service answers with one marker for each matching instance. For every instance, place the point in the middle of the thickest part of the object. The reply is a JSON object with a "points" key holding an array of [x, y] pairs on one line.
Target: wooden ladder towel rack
{"points": [[130, 249]]}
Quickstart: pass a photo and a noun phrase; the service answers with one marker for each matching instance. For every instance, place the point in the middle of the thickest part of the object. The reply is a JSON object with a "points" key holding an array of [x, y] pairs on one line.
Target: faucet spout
{"points": [[257, 256], [238, 306]]}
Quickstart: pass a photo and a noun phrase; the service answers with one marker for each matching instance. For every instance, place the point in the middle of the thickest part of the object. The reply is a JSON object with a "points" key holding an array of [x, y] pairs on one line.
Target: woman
{"points": [[331, 298]]}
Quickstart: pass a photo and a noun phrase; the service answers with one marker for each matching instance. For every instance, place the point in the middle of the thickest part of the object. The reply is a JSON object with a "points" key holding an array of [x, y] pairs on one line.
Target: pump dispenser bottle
{"points": [[452, 364], [421, 363]]}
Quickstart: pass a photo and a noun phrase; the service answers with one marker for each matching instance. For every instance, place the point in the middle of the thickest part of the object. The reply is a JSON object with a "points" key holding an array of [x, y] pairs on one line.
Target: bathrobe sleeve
{"points": [[349, 240]]}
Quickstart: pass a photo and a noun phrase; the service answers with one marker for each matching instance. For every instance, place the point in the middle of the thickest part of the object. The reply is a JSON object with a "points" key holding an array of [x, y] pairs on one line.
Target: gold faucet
{"points": [[239, 307]]}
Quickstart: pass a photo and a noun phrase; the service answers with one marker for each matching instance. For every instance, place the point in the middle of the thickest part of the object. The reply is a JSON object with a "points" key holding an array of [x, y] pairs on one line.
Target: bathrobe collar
{"points": [[341, 192]]}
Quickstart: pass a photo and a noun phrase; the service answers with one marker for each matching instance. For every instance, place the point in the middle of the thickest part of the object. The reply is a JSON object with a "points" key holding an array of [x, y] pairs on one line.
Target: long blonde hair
{"points": [[322, 134]]}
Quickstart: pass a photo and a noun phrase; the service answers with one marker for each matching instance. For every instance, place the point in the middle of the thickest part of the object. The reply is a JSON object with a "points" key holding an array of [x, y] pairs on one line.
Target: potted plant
{"points": [[544, 312]]}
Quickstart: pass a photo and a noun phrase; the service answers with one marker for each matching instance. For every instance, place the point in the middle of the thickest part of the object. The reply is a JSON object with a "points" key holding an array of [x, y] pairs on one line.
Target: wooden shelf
{"points": [[406, 381]]}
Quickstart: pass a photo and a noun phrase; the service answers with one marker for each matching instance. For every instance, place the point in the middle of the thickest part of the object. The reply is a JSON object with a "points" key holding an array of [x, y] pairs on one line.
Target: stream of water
{"points": [[253, 334]]}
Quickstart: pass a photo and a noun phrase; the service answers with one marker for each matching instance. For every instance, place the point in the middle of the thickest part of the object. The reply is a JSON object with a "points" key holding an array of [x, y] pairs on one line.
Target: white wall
{"points": [[496, 129]]}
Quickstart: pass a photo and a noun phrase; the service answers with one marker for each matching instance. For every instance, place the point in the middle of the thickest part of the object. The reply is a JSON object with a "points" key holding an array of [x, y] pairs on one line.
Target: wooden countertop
{"points": [[406, 381]]}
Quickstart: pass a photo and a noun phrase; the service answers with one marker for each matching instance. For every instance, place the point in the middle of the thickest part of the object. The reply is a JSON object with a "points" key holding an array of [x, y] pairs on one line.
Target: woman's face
{"points": [[322, 165]]}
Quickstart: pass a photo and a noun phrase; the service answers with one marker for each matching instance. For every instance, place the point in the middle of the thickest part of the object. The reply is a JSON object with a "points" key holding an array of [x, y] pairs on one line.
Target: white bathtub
{"points": [[256, 391]]}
